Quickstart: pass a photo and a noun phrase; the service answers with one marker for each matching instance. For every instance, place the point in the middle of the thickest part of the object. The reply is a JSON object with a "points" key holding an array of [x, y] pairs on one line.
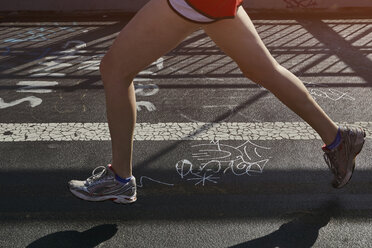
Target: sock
{"points": [[336, 141], [122, 180], [118, 178]]}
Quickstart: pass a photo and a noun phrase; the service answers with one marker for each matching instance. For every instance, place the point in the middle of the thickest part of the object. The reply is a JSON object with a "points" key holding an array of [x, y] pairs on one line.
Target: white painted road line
{"points": [[19, 132]]}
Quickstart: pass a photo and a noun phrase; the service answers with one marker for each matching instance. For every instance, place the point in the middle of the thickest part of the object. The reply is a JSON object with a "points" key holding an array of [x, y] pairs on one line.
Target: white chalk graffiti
{"points": [[215, 159], [146, 90], [148, 105], [140, 183], [202, 174], [29, 87], [33, 101], [331, 94]]}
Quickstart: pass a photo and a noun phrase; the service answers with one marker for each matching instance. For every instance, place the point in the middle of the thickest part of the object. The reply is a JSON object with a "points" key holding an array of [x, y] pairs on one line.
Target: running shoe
{"points": [[341, 159], [102, 186]]}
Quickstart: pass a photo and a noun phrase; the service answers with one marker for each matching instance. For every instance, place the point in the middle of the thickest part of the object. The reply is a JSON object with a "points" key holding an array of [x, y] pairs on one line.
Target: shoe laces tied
{"points": [[95, 176], [330, 159]]}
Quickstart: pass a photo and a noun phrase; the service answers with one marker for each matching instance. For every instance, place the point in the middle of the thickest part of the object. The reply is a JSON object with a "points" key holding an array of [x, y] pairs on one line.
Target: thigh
{"points": [[239, 39], [153, 31]]}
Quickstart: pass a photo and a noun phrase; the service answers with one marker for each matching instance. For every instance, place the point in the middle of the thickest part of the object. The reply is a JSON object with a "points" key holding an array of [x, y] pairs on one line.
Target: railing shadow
{"points": [[309, 48]]}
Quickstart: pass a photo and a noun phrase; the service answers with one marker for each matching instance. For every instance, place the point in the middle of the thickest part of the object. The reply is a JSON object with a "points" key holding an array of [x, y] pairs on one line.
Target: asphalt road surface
{"points": [[220, 162]]}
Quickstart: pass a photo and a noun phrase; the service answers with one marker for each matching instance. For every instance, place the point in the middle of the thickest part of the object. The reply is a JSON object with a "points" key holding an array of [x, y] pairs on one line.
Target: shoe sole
{"points": [[350, 172], [114, 198]]}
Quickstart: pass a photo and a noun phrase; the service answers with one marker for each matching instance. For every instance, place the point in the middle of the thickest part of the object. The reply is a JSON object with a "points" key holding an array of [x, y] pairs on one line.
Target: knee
{"points": [[261, 73], [112, 71]]}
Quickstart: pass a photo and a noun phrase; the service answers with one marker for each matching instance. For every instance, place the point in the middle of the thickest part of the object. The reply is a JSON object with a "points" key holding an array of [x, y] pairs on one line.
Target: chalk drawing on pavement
{"points": [[29, 87], [146, 90], [147, 105], [33, 102], [140, 183], [214, 159], [331, 94]]}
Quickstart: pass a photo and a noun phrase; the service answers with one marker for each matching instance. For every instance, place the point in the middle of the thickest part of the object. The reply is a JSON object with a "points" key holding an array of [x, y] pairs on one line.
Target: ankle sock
{"points": [[335, 142], [120, 179]]}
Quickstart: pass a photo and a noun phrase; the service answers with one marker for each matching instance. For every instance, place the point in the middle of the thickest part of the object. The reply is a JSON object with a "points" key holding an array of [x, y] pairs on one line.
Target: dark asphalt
{"points": [[290, 204]]}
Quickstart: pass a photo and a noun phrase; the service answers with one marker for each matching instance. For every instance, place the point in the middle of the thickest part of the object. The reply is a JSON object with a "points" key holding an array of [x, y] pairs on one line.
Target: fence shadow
{"points": [[326, 49]]}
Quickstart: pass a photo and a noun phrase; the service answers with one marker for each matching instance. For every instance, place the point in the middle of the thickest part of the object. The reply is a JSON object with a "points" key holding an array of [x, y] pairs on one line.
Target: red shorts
{"points": [[216, 9], [205, 11]]}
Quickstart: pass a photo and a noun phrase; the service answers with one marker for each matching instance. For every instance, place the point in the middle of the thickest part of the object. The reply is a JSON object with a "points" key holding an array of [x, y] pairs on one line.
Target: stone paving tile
{"points": [[18, 132]]}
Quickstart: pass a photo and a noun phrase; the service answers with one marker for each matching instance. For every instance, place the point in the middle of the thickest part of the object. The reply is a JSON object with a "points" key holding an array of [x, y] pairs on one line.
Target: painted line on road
{"points": [[171, 131]]}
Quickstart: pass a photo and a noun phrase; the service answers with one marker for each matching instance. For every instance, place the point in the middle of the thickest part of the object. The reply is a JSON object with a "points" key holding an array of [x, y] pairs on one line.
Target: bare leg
{"points": [[238, 38], [154, 31]]}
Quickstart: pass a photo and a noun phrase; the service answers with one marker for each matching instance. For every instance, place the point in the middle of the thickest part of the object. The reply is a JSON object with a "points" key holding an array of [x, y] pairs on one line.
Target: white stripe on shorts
{"points": [[187, 11]]}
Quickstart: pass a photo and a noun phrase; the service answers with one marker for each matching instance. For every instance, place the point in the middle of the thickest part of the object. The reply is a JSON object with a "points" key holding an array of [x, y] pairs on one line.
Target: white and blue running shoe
{"points": [[102, 186]]}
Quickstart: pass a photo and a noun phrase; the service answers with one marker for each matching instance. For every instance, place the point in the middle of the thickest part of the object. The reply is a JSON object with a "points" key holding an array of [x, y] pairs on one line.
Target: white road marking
{"points": [[170, 131], [48, 75], [36, 86], [33, 101]]}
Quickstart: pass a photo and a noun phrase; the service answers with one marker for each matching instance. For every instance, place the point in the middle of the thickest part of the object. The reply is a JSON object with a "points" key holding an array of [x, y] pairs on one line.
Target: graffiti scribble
{"points": [[216, 159], [318, 90]]}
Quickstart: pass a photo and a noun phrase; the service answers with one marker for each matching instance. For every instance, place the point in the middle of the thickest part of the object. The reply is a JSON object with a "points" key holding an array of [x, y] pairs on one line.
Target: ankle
{"points": [[329, 135], [120, 173], [335, 142]]}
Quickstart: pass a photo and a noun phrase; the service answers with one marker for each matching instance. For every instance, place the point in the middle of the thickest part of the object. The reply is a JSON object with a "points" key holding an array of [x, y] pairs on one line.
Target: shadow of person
{"points": [[301, 232], [88, 238]]}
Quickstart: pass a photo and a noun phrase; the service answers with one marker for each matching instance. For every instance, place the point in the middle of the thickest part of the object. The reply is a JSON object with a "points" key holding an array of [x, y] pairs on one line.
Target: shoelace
{"points": [[95, 176], [329, 158]]}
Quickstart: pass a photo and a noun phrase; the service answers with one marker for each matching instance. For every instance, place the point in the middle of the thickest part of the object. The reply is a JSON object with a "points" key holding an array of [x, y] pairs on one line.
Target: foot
{"points": [[103, 186], [341, 159]]}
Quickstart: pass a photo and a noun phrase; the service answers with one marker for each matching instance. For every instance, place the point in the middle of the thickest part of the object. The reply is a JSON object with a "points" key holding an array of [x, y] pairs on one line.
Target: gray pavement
{"points": [[265, 187]]}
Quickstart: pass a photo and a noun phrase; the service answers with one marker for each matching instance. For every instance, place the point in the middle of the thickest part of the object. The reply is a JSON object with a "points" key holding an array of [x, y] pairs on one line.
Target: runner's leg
{"points": [[151, 33], [239, 39]]}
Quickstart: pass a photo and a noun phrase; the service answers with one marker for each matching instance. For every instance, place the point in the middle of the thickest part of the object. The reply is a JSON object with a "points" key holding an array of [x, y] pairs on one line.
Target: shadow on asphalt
{"points": [[87, 239], [43, 195], [303, 231]]}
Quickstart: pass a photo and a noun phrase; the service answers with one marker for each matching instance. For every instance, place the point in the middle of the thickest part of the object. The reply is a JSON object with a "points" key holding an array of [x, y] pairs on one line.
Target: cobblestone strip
{"points": [[17, 132]]}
